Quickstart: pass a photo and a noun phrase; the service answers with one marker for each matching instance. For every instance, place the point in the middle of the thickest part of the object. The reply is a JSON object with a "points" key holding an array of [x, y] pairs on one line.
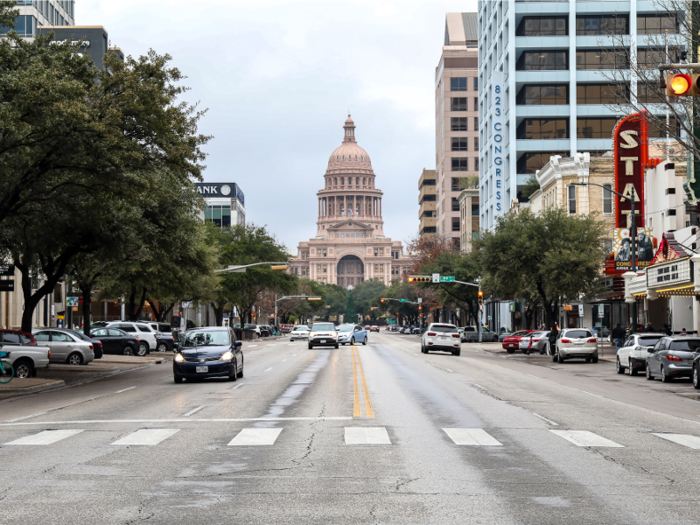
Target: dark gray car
{"points": [[672, 357]]}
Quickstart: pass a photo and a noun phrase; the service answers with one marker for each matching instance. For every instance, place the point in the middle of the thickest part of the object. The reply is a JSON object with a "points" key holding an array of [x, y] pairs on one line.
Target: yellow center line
{"points": [[368, 405], [356, 412]]}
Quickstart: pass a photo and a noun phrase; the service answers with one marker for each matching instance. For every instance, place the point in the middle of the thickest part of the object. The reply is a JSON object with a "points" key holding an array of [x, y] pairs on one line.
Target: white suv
{"points": [[141, 331], [299, 332], [576, 343], [632, 355], [441, 336]]}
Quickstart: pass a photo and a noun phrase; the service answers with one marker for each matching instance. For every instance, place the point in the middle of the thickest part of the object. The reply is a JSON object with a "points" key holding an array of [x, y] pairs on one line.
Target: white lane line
{"points": [[268, 369], [238, 386], [176, 420], [584, 438], [255, 437], [193, 411], [682, 439], [545, 419], [590, 394], [448, 370], [124, 390], [252, 346], [25, 417], [366, 436], [536, 377], [47, 437], [471, 436], [147, 436]]}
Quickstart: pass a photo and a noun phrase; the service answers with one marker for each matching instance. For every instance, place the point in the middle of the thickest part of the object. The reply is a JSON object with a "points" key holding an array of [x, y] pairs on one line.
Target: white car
{"points": [[441, 336], [576, 343], [255, 328], [24, 358], [142, 331], [299, 332], [632, 355], [323, 334]]}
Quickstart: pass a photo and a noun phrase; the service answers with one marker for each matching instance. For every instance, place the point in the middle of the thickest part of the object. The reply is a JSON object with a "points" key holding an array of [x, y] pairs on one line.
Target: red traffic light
{"points": [[681, 85]]}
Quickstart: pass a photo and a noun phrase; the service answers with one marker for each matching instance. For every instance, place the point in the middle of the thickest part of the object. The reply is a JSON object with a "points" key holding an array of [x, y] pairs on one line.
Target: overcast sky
{"points": [[278, 79]]}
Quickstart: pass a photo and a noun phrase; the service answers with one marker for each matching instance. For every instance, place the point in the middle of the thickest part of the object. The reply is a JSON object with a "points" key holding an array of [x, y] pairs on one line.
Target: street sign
{"points": [[436, 277], [420, 300], [447, 278], [72, 301], [580, 310], [403, 300], [7, 269], [7, 286], [601, 311]]}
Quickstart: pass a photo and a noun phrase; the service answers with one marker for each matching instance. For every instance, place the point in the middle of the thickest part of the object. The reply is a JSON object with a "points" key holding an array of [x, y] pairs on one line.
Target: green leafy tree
{"points": [[366, 295], [542, 258], [350, 311], [336, 297]]}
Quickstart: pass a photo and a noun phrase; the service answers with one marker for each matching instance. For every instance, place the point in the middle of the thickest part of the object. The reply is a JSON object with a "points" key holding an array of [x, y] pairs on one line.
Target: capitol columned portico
{"points": [[350, 245]]}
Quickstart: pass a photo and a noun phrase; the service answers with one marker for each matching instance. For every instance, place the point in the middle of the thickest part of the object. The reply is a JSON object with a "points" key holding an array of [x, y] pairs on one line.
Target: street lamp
{"points": [[633, 238], [241, 268]]}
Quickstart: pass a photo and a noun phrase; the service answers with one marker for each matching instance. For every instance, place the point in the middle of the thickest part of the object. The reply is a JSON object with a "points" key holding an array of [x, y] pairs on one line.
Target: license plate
{"points": [[579, 344], [323, 340], [202, 369]]}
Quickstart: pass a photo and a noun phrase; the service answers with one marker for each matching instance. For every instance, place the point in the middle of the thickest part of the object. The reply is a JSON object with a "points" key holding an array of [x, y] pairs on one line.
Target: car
{"points": [[115, 341], [25, 355], [368, 328], [403, 330], [575, 343], [255, 328], [351, 334], [140, 330], [486, 335], [512, 341], [441, 336], [164, 328], [96, 344], [323, 334], [265, 330], [696, 371], [416, 330], [209, 352], [632, 355], [65, 347], [672, 357], [165, 341], [374, 328], [300, 331], [503, 335], [534, 342]]}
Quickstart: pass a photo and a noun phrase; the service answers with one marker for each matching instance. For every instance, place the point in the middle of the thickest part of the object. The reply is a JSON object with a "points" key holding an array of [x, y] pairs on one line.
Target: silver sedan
{"points": [[65, 347], [534, 342]]}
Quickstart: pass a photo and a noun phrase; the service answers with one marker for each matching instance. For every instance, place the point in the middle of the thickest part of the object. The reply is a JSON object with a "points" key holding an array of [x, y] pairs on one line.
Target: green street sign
{"points": [[403, 300], [447, 278]]}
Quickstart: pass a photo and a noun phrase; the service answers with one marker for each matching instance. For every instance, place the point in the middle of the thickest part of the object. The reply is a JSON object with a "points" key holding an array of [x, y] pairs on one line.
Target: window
{"points": [[595, 128], [657, 24], [601, 59], [458, 84], [455, 204], [543, 61], [607, 199], [543, 129], [475, 235], [652, 57], [572, 199], [476, 123], [476, 144], [455, 224], [543, 95], [531, 162], [456, 184], [658, 131], [543, 26], [475, 210], [379, 252], [460, 143], [342, 181], [25, 25], [602, 93], [649, 94], [378, 268], [476, 83], [460, 124], [460, 164], [459, 104], [602, 25], [476, 163], [46, 336], [476, 103], [322, 252]]}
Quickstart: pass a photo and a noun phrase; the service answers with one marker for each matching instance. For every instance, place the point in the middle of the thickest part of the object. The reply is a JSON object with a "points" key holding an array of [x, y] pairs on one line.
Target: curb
{"points": [[12, 391]]}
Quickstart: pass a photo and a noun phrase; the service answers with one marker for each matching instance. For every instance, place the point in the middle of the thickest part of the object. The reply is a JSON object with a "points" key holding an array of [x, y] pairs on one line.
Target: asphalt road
{"points": [[376, 434]]}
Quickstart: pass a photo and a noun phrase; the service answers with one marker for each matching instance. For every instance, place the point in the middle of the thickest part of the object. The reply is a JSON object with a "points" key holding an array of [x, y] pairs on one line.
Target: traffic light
{"points": [[481, 297], [420, 308], [419, 279], [382, 300], [682, 85], [279, 268]]}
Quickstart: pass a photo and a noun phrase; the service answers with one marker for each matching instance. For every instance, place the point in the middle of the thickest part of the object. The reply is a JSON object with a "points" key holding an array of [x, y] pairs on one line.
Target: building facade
{"points": [[40, 13], [350, 246], [456, 120], [225, 203], [468, 218], [426, 203], [543, 86]]}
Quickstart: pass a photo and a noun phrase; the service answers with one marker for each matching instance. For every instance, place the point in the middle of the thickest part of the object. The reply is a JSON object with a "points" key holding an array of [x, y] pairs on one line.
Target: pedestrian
{"points": [[667, 329], [553, 339], [683, 332], [649, 328], [618, 334]]}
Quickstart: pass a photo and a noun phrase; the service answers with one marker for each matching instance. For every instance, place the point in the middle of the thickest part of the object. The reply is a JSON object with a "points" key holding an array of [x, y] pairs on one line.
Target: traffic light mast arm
{"points": [[478, 317], [242, 267]]}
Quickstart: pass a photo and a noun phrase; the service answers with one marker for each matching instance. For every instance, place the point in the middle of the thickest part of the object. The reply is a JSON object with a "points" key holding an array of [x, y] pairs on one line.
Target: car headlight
{"points": [[179, 358], [227, 356], [312, 334]]}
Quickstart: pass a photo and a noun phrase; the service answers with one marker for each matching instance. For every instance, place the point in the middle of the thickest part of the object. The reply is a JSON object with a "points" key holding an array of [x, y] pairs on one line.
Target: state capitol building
{"points": [[350, 246]]}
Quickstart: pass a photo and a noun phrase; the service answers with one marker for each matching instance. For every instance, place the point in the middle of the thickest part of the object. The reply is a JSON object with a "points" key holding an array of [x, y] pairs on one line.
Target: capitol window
{"points": [[342, 235], [342, 181], [357, 181]]}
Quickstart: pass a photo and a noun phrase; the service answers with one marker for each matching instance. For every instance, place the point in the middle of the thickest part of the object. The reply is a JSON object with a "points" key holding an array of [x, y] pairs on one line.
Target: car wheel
{"points": [[240, 374], [364, 341], [618, 367], [162, 347], [665, 378], [177, 379], [336, 345], [648, 373], [23, 369], [143, 349], [696, 378], [595, 358], [631, 370], [75, 359], [128, 350], [234, 375], [352, 341], [560, 358], [457, 353]]}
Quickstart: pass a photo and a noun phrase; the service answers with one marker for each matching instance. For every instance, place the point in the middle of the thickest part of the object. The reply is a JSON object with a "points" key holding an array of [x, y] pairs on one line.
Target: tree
{"points": [[366, 295], [542, 258], [350, 311]]}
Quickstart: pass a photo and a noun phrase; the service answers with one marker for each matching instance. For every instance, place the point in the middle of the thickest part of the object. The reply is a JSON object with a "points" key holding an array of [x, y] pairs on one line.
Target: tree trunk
{"points": [[134, 316], [86, 290], [31, 301], [218, 313], [132, 304]]}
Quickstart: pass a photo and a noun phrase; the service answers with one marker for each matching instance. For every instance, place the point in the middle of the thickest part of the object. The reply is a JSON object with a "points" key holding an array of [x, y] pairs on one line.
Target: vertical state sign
{"points": [[631, 147], [496, 118]]}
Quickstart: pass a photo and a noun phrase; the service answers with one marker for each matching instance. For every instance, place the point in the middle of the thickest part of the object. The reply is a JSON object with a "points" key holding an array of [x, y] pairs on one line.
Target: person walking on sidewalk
{"points": [[618, 334], [552, 339]]}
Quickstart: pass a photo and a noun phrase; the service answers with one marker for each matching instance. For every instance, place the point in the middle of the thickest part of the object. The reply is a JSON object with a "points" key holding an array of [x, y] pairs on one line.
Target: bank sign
{"points": [[220, 189], [497, 98]]}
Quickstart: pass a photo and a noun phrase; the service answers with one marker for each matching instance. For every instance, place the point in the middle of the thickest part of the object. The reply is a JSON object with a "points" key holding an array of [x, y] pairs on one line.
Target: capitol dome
{"points": [[349, 156]]}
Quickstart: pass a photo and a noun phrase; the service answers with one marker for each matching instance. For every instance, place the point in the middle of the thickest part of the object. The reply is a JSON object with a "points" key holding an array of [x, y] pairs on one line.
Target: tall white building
{"points": [[37, 13]]}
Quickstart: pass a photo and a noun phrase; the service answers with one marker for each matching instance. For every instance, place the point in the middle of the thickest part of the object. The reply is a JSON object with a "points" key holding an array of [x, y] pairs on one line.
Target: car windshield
{"points": [[301, 328], [648, 341], [324, 327], [536, 334], [250, 327], [346, 328], [577, 334], [218, 338], [443, 328], [519, 334], [81, 335], [687, 345]]}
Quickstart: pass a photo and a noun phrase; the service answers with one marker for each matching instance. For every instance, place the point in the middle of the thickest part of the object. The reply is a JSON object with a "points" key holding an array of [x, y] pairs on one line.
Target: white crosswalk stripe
{"points": [[471, 436], [366, 436], [682, 439], [584, 438], [255, 437], [147, 436], [47, 437]]}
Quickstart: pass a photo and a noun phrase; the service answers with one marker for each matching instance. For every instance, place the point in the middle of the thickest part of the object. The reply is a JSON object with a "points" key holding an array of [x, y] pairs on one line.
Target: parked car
{"points": [[164, 328], [351, 334], [255, 328], [632, 355], [487, 336], [209, 352], [300, 331], [140, 330], [696, 371], [441, 336], [512, 341], [265, 330], [575, 343], [534, 342], [403, 330], [323, 334], [503, 335], [25, 355], [672, 357], [115, 341], [96, 344], [65, 347], [416, 330]]}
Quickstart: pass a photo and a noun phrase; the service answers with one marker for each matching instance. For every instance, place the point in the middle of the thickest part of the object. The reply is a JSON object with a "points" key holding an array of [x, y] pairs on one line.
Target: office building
{"points": [[34, 14], [225, 203], [456, 120], [543, 86], [468, 218], [426, 201]]}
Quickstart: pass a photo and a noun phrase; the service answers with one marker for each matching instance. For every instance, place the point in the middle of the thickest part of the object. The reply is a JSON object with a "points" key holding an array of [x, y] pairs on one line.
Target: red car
{"points": [[510, 343], [15, 337]]}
